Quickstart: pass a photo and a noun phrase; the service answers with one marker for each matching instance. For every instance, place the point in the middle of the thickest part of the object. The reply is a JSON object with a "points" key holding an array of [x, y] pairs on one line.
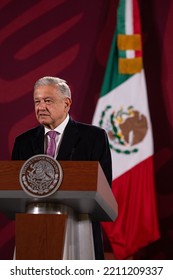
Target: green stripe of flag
{"points": [[112, 78], [121, 24]]}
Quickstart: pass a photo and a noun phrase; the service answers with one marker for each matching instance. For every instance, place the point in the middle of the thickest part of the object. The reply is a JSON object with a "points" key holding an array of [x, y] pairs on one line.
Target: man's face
{"points": [[51, 106]]}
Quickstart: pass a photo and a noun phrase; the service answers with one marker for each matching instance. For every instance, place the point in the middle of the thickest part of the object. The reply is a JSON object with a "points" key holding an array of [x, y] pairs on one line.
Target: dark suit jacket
{"points": [[80, 142]]}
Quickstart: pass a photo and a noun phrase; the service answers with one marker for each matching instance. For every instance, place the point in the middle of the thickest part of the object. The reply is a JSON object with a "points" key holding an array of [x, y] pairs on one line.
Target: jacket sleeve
{"points": [[101, 148]]}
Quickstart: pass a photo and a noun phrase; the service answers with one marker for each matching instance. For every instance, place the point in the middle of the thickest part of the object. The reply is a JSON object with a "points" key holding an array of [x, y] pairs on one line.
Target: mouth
{"points": [[43, 115]]}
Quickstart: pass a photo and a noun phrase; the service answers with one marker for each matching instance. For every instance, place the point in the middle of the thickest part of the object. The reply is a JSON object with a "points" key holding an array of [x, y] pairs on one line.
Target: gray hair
{"points": [[59, 83]]}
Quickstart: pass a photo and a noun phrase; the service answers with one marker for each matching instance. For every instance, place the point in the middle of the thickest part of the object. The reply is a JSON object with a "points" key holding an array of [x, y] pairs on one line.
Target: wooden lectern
{"points": [[61, 229]]}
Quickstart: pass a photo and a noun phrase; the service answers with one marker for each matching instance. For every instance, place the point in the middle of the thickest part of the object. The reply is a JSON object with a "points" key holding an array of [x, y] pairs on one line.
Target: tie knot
{"points": [[52, 134]]}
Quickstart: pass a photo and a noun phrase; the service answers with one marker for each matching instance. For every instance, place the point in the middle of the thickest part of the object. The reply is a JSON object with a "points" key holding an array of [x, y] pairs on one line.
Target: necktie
{"points": [[51, 144]]}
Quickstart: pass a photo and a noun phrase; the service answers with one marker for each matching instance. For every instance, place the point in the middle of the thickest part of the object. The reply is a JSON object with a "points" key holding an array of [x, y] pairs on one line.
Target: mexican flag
{"points": [[122, 110]]}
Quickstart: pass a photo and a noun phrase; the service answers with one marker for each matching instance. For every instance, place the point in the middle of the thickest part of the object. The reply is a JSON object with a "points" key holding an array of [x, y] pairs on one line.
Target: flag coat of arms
{"points": [[122, 110]]}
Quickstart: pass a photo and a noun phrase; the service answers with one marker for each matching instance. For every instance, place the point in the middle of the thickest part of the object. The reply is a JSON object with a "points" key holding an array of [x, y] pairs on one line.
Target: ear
{"points": [[68, 102]]}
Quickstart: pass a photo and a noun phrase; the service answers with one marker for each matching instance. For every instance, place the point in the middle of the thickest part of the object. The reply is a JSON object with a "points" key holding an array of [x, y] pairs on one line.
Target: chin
{"points": [[41, 121]]}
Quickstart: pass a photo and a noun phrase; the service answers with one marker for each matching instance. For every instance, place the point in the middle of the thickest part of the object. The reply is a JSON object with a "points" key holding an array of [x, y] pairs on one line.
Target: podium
{"points": [[57, 226]]}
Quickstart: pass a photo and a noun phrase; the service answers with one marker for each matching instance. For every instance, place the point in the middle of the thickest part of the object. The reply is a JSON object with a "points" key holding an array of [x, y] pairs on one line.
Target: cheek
{"points": [[36, 110], [58, 109]]}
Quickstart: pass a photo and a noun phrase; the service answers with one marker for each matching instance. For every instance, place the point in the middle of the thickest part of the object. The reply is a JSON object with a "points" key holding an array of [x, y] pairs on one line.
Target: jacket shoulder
{"points": [[89, 127], [31, 132]]}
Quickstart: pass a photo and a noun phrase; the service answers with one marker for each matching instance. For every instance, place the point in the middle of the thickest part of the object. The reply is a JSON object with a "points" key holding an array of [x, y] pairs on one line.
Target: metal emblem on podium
{"points": [[41, 176]]}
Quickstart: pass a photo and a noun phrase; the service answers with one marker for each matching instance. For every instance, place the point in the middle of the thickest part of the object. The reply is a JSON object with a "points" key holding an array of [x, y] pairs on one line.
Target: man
{"points": [[74, 140]]}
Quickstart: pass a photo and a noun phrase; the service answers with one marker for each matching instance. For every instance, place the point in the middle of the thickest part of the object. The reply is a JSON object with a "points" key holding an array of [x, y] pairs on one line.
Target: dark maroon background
{"points": [[71, 39]]}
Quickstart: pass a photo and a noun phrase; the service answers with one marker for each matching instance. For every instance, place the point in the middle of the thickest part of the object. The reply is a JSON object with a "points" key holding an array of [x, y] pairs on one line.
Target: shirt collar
{"points": [[60, 128]]}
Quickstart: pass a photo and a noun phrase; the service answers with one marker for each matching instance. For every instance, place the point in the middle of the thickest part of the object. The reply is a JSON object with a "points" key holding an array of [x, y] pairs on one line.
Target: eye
{"points": [[36, 102], [48, 101]]}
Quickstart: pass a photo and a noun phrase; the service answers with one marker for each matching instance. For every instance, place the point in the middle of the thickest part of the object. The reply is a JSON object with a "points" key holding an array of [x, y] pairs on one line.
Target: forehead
{"points": [[46, 90]]}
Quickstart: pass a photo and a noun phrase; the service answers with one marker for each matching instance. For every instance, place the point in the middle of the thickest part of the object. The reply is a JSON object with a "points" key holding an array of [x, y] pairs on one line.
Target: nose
{"points": [[41, 105]]}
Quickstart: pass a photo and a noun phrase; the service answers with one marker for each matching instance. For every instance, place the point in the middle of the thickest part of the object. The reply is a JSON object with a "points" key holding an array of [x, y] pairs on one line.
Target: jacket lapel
{"points": [[69, 141]]}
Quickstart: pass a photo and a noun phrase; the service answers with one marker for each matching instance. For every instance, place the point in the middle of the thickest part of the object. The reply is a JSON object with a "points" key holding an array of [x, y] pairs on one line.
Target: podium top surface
{"points": [[84, 188]]}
